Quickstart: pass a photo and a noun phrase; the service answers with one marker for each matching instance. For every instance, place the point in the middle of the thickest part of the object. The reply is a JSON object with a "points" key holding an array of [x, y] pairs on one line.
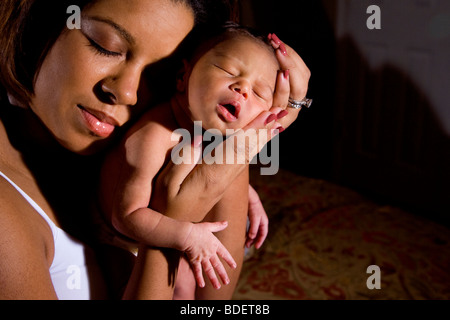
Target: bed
{"points": [[323, 237]]}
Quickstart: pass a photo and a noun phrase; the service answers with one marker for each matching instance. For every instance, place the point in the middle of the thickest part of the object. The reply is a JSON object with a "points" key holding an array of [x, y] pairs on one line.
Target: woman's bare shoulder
{"points": [[25, 248]]}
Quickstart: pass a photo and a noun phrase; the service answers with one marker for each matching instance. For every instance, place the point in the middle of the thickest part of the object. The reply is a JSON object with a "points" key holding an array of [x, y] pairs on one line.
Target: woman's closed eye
{"points": [[102, 51]]}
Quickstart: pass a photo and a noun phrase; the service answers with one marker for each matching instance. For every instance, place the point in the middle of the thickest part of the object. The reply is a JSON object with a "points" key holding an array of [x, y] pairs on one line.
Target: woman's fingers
{"points": [[286, 116], [282, 90], [299, 73], [292, 81], [259, 131]]}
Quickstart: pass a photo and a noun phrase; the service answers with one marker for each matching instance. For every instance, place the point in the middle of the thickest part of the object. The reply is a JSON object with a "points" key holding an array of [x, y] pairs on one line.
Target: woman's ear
{"points": [[183, 76]]}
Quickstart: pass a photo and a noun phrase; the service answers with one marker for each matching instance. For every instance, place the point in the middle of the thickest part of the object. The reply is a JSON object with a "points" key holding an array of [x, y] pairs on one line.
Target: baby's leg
{"points": [[233, 207], [185, 283]]}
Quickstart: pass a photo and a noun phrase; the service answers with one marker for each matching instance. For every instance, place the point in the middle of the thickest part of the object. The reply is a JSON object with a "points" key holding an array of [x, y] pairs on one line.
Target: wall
{"points": [[380, 121]]}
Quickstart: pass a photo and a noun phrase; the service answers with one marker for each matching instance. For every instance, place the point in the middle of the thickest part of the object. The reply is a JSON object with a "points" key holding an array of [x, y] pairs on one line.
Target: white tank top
{"points": [[74, 272]]}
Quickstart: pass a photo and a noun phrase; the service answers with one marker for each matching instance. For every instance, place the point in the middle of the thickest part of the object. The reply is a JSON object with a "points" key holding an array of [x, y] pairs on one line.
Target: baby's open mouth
{"points": [[229, 110], [232, 109]]}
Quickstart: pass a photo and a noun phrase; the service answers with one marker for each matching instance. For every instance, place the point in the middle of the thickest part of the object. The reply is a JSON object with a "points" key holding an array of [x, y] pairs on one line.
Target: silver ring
{"points": [[299, 104]]}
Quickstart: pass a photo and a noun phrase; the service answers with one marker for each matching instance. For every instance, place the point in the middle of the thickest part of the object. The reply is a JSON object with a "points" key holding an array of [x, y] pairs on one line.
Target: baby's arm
{"points": [[127, 176]]}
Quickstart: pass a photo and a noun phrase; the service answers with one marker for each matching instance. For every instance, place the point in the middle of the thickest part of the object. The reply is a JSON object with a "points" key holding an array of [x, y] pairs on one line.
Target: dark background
{"points": [[371, 130]]}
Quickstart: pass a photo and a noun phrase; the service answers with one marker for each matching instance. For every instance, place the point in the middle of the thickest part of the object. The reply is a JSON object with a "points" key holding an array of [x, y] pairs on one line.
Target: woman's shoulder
{"points": [[20, 225], [25, 249]]}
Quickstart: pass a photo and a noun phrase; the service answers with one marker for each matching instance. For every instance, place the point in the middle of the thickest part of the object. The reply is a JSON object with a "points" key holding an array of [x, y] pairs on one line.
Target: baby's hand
{"points": [[203, 250], [259, 222]]}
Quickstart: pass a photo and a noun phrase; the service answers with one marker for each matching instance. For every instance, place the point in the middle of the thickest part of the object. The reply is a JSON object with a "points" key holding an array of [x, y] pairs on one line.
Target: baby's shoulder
{"points": [[156, 123], [152, 136]]}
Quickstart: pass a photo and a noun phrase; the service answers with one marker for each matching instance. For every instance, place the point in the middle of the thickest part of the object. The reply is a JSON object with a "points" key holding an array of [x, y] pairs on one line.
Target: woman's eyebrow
{"points": [[124, 33]]}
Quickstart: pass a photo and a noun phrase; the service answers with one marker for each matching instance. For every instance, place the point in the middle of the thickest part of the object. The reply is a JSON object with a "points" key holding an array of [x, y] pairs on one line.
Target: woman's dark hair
{"points": [[29, 29]]}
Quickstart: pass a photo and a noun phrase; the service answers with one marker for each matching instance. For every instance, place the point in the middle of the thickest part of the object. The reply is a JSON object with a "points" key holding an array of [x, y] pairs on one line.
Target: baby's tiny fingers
{"points": [[220, 270], [198, 274], [249, 243], [260, 240], [210, 273], [225, 255]]}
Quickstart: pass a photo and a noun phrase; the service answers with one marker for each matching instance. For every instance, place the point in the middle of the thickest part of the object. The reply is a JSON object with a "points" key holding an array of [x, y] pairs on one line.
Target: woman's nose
{"points": [[122, 88], [242, 87]]}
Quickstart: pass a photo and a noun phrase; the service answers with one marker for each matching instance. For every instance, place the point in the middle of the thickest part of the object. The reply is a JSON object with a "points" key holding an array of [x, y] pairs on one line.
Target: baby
{"points": [[224, 84]]}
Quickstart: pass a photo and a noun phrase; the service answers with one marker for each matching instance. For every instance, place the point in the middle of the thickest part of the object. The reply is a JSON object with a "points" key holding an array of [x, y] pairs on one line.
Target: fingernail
{"points": [[276, 39], [277, 130], [270, 118], [282, 114], [283, 49], [286, 73]]}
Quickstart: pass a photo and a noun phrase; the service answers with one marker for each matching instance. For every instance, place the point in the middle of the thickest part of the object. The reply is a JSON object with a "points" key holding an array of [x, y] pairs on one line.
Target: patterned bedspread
{"points": [[323, 237]]}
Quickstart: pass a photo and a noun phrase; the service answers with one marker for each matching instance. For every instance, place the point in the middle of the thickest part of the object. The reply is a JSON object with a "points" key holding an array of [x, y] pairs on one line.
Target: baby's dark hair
{"points": [[201, 40]]}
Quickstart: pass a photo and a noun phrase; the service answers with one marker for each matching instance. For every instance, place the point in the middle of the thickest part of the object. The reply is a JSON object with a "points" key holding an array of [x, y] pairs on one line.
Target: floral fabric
{"points": [[323, 237]]}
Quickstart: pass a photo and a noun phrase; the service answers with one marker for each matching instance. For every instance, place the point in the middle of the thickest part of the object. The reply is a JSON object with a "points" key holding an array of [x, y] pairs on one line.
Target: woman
{"points": [[67, 95]]}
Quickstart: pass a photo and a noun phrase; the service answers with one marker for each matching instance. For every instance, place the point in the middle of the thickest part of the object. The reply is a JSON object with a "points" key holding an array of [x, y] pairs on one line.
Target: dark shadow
{"points": [[388, 142], [306, 146], [372, 130]]}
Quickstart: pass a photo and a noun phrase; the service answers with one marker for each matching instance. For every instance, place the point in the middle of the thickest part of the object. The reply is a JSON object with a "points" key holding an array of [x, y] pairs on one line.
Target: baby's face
{"points": [[232, 83]]}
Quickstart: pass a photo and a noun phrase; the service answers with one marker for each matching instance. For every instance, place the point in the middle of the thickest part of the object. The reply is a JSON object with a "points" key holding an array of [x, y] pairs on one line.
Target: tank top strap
{"points": [[32, 203]]}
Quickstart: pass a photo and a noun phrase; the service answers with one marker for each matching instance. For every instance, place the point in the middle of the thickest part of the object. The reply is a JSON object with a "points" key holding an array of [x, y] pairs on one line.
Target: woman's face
{"points": [[232, 83], [87, 85]]}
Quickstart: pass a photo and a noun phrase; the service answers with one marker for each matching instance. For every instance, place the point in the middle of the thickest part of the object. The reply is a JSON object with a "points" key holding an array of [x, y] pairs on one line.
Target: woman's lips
{"points": [[98, 123]]}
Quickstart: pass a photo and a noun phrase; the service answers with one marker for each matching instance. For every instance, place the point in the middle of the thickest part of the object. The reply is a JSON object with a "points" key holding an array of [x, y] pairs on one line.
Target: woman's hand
{"points": [[203, 250], [292, 81], [259, 222], [195, 186]]}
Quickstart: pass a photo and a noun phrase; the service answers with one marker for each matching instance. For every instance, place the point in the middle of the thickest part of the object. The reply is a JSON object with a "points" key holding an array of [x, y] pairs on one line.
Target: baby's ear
{"points": [[183, 76]]}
